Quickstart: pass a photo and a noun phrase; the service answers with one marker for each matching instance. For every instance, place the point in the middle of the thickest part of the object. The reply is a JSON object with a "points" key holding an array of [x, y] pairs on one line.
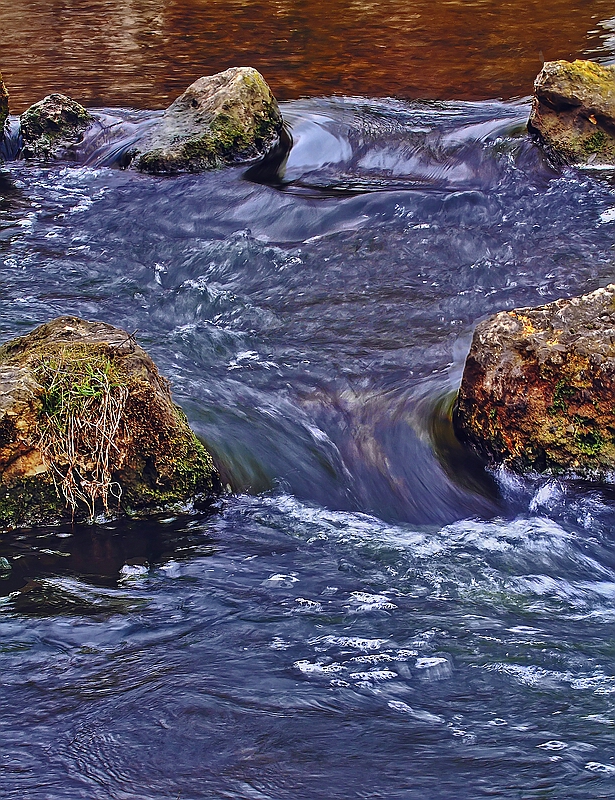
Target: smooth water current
{"points": [[368, 613]]}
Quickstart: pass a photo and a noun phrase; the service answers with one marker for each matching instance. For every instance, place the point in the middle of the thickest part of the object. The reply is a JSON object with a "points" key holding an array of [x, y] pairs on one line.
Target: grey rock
{"points": [[223, 119], [51, 127]]}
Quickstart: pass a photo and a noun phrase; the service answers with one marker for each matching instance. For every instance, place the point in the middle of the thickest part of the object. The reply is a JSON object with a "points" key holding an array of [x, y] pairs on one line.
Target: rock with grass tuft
{"points": [[573, 112], [88, 427], [538, 388], [53, 126], [223, 119]]}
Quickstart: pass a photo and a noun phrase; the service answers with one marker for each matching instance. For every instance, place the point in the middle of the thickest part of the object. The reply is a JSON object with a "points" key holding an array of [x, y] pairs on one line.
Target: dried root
{"points": [[81, 419]]}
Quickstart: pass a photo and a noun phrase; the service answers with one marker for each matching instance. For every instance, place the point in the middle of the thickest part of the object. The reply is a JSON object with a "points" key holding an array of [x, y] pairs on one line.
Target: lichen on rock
{"points": [[51, 127], [573, 111], [223, 119], [4, 106], [88, 426], [538, 389]]}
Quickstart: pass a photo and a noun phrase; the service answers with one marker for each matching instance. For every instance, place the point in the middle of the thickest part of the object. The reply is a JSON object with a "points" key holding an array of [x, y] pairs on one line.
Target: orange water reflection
{"points": [[145, 52]]}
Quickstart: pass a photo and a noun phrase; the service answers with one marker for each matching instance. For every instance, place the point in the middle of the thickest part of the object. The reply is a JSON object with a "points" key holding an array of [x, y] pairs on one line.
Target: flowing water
{"points": [[367, 613]]}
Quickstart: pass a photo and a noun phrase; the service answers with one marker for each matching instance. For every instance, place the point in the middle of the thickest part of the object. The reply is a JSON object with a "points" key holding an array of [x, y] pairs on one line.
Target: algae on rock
{"points": [[4, 106], [538, 388], [220, 120], [573, 111], [223, 119], [52, 126], [88, 426]]}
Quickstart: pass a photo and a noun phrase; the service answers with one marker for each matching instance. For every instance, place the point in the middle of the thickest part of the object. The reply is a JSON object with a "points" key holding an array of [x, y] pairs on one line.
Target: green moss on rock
{"points": [[573, 111], [220, 120], [30, 501], [4, 106], [52, 126], [88, 426], [538, 387]]}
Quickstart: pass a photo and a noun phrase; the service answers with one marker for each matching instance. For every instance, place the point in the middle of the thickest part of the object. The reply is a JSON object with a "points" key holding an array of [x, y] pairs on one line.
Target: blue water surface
{"points": [[367, 613]]}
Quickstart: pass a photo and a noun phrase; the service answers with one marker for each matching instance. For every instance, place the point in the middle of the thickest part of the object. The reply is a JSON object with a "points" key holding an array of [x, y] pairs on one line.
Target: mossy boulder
{"points": [[573, 112], [4, 106], [51, 127], [538, 388], [224, 119], [88, 426]]}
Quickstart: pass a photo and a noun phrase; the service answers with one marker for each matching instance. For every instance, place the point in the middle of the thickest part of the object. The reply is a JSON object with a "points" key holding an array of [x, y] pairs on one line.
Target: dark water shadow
{"points": [[42, 569], [269, 170], [461, 464], [8, 191]]}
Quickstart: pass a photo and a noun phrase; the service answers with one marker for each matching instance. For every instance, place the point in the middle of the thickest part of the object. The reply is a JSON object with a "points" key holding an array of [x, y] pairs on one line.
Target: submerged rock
{"points": [[4, 106], [538, 389], [52, 126], [573, 111], [222, 119], [87, 425]]}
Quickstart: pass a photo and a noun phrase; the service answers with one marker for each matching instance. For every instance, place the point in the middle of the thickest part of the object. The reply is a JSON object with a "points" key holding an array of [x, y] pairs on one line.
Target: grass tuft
{"points": [[81, 415]]}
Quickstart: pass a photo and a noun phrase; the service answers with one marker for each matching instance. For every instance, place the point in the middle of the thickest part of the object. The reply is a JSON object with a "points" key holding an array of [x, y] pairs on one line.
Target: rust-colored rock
{"points": [[538, 389], [87, 425], [573, 111]]}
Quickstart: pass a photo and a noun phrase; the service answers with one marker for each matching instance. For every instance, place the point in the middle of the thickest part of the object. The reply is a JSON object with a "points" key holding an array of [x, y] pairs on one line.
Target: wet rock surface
{"points": [[222, 119], [573, 111], [4, 106], [538, 389], [51, 127], [88, 426]]}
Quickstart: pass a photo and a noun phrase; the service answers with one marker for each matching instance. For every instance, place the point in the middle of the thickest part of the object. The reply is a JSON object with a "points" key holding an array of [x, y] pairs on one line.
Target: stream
{"points": [[367, 612]]}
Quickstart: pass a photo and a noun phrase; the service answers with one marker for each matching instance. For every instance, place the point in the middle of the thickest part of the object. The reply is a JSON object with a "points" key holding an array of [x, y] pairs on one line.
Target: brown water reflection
{"points": [[145, 52]]}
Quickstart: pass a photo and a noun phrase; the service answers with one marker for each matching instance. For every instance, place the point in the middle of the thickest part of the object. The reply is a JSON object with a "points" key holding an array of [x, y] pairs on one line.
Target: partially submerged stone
{"points": [[538, 389], [573, 111], [4, 106], [224, 119], [88, 426], [52, 126], [220, 120]]}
